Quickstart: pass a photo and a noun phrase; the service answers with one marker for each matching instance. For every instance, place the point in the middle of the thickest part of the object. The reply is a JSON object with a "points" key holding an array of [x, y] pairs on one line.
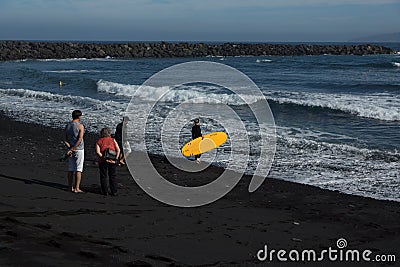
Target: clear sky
{"points": [[197, 20]]}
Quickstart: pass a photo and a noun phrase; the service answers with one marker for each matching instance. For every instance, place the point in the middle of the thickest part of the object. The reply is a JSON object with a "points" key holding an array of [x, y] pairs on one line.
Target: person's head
{"points": [[105, 132], [76, 114], [125, 119], [196, 121]]}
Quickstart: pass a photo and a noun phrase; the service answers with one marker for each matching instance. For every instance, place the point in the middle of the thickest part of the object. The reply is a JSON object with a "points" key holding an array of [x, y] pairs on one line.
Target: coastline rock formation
{"points": [[15, 50]]}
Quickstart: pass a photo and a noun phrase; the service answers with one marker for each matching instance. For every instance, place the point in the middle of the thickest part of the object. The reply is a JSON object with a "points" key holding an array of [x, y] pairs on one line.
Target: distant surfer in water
{"points": [[61, 84], [196, 133]]}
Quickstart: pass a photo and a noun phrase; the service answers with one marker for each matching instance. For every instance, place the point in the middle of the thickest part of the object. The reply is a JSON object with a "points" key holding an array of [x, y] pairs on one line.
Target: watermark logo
{"points": [[331, 254], [341, 243], [167, 84]]}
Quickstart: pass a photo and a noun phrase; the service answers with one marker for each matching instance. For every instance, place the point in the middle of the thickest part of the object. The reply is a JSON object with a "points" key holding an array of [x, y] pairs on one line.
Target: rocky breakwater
{"points": [[15, 50]]}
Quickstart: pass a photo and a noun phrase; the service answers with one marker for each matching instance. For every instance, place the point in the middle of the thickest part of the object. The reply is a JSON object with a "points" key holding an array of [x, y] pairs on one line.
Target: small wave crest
{"points": [[72, 71], [65, 99], [263, 60], [62, 59], [70, 59], [396, 64]]}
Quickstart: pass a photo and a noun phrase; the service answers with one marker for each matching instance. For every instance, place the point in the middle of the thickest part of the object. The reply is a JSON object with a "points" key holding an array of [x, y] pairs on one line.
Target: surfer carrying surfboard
{"points": [[201, 144], [196, 133]]}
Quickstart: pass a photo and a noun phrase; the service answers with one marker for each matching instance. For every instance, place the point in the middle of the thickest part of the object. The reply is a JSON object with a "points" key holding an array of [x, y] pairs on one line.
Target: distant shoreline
{"points": [[17, 50]]}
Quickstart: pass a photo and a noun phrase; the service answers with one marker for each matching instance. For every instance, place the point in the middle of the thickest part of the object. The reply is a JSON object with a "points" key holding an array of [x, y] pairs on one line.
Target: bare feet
{"points": [[77, 190]]}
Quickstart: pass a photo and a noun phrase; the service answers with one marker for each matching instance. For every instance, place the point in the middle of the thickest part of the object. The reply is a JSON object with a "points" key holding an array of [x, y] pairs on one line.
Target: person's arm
{"points": [[80, 138], [98, 152], [68, 145], [117, 149]]}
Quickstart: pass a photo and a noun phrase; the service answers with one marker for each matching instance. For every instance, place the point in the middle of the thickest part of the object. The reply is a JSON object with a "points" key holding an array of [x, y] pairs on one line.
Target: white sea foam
{"points": [[51, 97], [189, 94], [396, 64], [381, 106], [74, 71], [61, 59], [118, 89], [52, 109], [370, 172], [263, 60], [72, 59], [53, 59]]}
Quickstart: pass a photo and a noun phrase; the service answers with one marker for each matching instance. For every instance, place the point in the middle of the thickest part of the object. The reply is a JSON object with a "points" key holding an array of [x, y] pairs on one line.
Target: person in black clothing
{"points": [[196, 133], [118, 137]]}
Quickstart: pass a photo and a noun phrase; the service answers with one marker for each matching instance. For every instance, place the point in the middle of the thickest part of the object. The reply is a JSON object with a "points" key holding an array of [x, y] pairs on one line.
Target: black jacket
{"points": [[118, 133], [196, 131]]}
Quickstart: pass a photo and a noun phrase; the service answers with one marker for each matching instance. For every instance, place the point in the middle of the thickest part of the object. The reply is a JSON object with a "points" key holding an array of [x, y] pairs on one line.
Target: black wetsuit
{"points": [[196, 132]]}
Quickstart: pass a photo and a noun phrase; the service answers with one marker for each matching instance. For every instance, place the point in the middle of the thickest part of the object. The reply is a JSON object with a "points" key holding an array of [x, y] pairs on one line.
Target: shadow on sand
{"points": [[94, 189], [37, 182]]}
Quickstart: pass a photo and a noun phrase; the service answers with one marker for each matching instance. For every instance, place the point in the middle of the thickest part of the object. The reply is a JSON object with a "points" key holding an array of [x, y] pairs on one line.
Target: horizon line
{"points": [[189, 41]]}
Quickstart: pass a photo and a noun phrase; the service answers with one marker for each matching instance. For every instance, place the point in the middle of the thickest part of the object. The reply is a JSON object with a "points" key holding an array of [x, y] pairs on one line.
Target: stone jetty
{"points": [[16, 50]]}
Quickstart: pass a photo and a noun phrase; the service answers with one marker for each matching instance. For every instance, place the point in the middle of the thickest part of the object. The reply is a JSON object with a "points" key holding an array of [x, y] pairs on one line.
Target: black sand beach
{"points": [[41, 224]]}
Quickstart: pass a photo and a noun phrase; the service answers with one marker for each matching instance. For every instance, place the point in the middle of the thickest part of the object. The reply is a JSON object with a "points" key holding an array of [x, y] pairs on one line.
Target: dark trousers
{"points": [[197, 156], [121, 147], [110, 169]]}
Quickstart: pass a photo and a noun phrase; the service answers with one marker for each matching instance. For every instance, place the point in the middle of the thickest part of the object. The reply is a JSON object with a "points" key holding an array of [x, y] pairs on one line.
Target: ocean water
{"points": [[337, 117]]}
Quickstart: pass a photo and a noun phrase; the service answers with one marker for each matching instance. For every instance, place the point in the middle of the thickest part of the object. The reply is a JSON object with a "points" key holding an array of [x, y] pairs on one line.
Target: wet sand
{"points": [[41, 224]]}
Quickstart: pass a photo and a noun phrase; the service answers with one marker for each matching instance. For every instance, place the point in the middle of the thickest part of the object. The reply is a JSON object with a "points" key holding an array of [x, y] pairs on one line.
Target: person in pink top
{"points": [[108, 152]]}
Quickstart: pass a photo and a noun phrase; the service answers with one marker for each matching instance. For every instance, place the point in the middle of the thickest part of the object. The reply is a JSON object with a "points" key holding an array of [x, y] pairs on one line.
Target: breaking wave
{"points": [[381, 106], [189, 94]]}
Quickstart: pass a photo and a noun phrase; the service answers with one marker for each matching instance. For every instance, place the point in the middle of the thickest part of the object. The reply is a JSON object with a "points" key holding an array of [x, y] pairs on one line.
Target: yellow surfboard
{"points": [[203, 144]]}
